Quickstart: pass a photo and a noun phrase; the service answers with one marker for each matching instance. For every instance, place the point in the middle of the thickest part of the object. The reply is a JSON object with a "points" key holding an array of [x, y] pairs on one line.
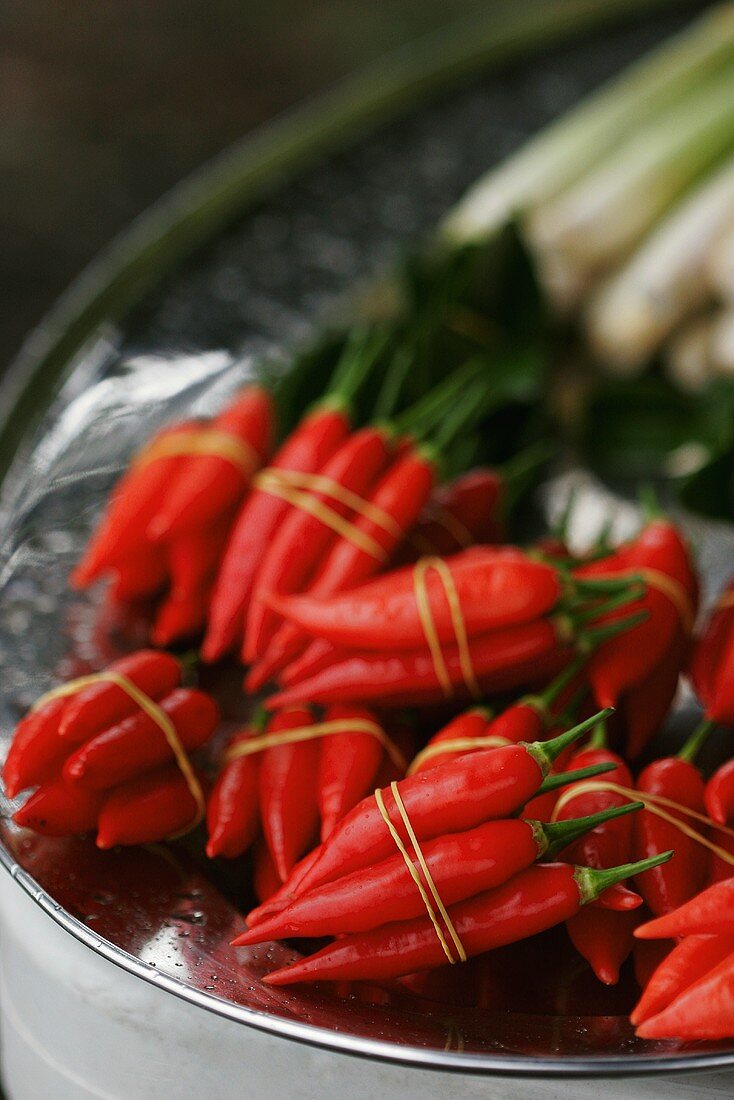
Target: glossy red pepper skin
{"points": [[461, 865], [604, 937], [687, 962], [318, 654], [502, 659], [496, 588], [710, 912], [153, 807], [36, 752], [712, 662], [530, 902], [719, 794], [287, 785], [100, 705], [348, 766], [482, 786], [306, 450], [179, 617], [300, 542], [57, 809], [233, 809], [134, 502], [400, 494], [648, 702], [265, 879], [665, 888], [466, 512], [610, 844], [471, 724], [212, 485], [138, 744], [705, 1010], [624, 661], [140, 576]]}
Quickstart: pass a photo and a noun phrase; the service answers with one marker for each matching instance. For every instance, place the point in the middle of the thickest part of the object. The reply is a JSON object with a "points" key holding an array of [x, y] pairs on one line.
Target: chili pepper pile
{"points": [[408, 786], [110, 753]]}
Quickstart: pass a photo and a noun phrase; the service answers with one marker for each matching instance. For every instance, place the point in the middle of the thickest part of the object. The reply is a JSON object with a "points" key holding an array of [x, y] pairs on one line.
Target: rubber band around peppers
{"points": [[297, 489], [156, 714], [668, 586], [655, 804], [310, 733], [206, 441], [461, 953], [421, 568], [457, 744]]}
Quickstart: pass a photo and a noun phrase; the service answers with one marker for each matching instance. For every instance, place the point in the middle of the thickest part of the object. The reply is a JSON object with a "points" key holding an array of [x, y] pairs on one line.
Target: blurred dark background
{"points": [[106, 104]]}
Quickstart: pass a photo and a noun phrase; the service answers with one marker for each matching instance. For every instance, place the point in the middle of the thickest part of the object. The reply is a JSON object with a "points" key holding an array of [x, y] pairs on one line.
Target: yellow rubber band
{"points": [[319, 483], [457, 744], [268, 482], [155, 713], [423, 603], [654, 804], [253, 745], [461, 953], [203, 441]]}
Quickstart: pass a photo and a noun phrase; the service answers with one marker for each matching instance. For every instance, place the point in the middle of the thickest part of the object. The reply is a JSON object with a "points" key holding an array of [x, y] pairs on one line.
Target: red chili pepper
{"points": [[482, 786], [178, 617], [466, 512], [318, 655], [471, 724], [501, 660], [283, 895], [685, 964], [648, 702], [265, 878], [712, 665], [302, 539], [288, 784], [45, 737], [461, 866], [36, 752], [138, 744], [348, 765], [211, 485], [604, 937], [496, 588], [233, 809], [666, 888], [58, 809], [134, 502], [625, 660], [719, 794], [530, 902], [140, 576], [101, 705], [306, 450], [710, 912], [705, 1010], [399, 494], [152, 807]]}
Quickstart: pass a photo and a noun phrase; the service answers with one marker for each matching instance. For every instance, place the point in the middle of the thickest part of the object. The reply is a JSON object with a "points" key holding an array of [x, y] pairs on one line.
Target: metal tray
{"points": [[105, 375]]}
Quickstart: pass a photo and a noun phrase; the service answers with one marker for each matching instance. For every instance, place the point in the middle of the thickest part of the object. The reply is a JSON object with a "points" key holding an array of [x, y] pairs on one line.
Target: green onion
{"points": [[602, 217], [665, 281], [720, 266], [559, 155], [686, 358]]}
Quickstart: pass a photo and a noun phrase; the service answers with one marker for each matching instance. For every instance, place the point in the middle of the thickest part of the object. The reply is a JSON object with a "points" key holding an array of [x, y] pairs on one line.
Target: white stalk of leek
{"points": [[722, 346], [563, 151], [600, 219], [665, 281], [720, 266], [687, 358]]}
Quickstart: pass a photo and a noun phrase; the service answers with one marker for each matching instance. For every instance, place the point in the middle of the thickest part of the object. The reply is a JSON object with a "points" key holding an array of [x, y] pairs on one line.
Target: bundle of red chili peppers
{"points": [[110, 752], [385, 804]]}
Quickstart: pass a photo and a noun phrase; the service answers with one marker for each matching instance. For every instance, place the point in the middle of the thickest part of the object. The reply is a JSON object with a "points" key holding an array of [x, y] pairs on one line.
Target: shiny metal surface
{"points": [[161, 913]]}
